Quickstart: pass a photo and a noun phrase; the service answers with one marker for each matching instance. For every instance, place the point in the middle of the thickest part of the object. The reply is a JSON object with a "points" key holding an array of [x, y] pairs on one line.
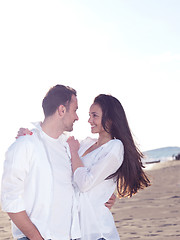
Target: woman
{"points": [[100, 166]]}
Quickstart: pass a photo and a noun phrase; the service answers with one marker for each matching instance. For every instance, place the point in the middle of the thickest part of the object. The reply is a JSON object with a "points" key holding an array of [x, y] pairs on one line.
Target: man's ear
{"points": [[61, 110]]}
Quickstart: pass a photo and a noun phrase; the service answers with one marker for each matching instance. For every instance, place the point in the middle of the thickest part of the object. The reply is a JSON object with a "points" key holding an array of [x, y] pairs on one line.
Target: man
{"points": [[37, 191]]}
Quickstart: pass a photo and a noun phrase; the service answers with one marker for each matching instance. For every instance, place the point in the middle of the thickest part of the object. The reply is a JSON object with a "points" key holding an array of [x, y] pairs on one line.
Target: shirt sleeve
{"points": [[16, 167], [108, 162]]}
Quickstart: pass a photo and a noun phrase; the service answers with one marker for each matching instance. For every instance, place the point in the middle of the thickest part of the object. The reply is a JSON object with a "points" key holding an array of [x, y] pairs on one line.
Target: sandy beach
{"points": [[153, 213]]}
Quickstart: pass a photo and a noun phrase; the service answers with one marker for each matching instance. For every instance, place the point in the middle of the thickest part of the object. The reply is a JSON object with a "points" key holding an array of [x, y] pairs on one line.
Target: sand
{"points": [[153, 213]]}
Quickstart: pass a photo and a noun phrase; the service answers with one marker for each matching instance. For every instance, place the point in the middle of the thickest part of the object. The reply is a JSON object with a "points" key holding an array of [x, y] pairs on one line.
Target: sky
{"points": [[129, 49]]}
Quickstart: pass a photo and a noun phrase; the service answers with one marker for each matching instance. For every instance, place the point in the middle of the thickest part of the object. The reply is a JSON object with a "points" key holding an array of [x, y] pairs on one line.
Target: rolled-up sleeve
{"points": [[108, 162], [15, 170]]}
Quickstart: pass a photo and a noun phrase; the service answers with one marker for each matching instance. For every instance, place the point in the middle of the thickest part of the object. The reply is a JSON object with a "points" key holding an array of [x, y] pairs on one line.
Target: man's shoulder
{"points": [[24, 141]]}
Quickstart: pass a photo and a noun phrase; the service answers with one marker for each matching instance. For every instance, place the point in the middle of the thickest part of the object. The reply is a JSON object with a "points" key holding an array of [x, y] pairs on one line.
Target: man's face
{"points": [[71, 116]]}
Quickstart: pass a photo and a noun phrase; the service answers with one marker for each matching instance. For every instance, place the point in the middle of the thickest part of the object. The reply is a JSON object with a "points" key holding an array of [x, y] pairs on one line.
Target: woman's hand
{"points": [[75, 159], [23, 132], [73, 144], [110, 203]]}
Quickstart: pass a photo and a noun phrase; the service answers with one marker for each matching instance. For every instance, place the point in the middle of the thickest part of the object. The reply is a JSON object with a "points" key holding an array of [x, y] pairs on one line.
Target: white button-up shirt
{"points": [[93, 190], [37, 178]]}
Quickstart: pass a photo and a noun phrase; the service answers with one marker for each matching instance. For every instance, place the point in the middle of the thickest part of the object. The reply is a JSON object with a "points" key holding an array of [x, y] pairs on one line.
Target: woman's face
{"points": [[95, 119]]}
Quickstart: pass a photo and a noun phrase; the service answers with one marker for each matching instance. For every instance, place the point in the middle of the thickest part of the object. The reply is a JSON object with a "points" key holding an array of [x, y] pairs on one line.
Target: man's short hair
{"points": [[56, 96]]}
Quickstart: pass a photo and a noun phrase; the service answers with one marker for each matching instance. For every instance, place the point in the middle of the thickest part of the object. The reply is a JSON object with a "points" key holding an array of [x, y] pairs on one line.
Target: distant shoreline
{"points": [[160, 164]]}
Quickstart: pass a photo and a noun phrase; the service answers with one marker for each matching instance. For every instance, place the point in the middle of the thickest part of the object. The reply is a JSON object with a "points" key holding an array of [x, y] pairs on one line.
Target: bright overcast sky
{"points": [[127, 48]]}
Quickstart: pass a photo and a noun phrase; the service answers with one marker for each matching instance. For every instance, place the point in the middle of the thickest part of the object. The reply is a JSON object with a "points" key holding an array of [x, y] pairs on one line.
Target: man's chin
{"points": [[69, 129]]}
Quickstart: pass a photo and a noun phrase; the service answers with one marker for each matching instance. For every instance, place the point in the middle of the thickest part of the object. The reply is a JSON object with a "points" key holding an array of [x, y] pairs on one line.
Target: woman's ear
{"points": [[108, 125], [61, 110]]}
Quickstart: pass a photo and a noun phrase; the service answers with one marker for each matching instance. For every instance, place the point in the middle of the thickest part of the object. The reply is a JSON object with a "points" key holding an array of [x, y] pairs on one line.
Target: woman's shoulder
{"points": [[88, 141], [85, 144], [114, 146], [115, 142]]}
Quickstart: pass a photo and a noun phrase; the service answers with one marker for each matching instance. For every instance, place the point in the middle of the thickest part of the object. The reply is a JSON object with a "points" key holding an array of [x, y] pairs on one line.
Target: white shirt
{"points": [[93, 191], [37, 178], [62, 193]]}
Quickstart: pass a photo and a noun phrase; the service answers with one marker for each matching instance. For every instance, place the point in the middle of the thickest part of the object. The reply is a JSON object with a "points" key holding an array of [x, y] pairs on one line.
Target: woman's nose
{"points": [[89, 120]]}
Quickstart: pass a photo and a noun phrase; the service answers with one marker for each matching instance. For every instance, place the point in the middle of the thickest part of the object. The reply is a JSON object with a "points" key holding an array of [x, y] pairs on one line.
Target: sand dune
{"points": [[153, 213]]}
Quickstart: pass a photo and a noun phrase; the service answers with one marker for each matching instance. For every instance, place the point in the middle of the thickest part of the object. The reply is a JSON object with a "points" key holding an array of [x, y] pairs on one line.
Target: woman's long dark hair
{"points": [[130, 176]]}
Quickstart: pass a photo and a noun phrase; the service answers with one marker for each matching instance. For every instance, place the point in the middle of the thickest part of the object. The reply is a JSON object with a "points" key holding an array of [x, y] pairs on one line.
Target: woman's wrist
{"points": [[76, 161], [74, 154]]}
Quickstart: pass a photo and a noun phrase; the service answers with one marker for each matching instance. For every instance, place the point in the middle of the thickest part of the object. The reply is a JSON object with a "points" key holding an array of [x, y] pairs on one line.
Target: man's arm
{"points": [[22, 221], [16, 167]]}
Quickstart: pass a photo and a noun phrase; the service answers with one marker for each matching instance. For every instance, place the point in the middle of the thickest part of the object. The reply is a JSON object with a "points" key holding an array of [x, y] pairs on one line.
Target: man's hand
{"points": [[111, 201], [23, 222]]}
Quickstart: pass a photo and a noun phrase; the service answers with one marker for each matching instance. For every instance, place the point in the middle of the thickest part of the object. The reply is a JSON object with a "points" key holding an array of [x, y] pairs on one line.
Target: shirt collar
{"points": [[62, 138]]}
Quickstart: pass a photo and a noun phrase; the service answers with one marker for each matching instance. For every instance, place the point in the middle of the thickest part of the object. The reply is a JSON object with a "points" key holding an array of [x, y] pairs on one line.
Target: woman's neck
{"points": [[103, 138]]}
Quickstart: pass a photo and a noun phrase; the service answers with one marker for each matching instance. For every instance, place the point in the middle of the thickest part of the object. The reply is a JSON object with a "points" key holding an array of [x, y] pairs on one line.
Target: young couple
{"points": [[55, 188]]}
